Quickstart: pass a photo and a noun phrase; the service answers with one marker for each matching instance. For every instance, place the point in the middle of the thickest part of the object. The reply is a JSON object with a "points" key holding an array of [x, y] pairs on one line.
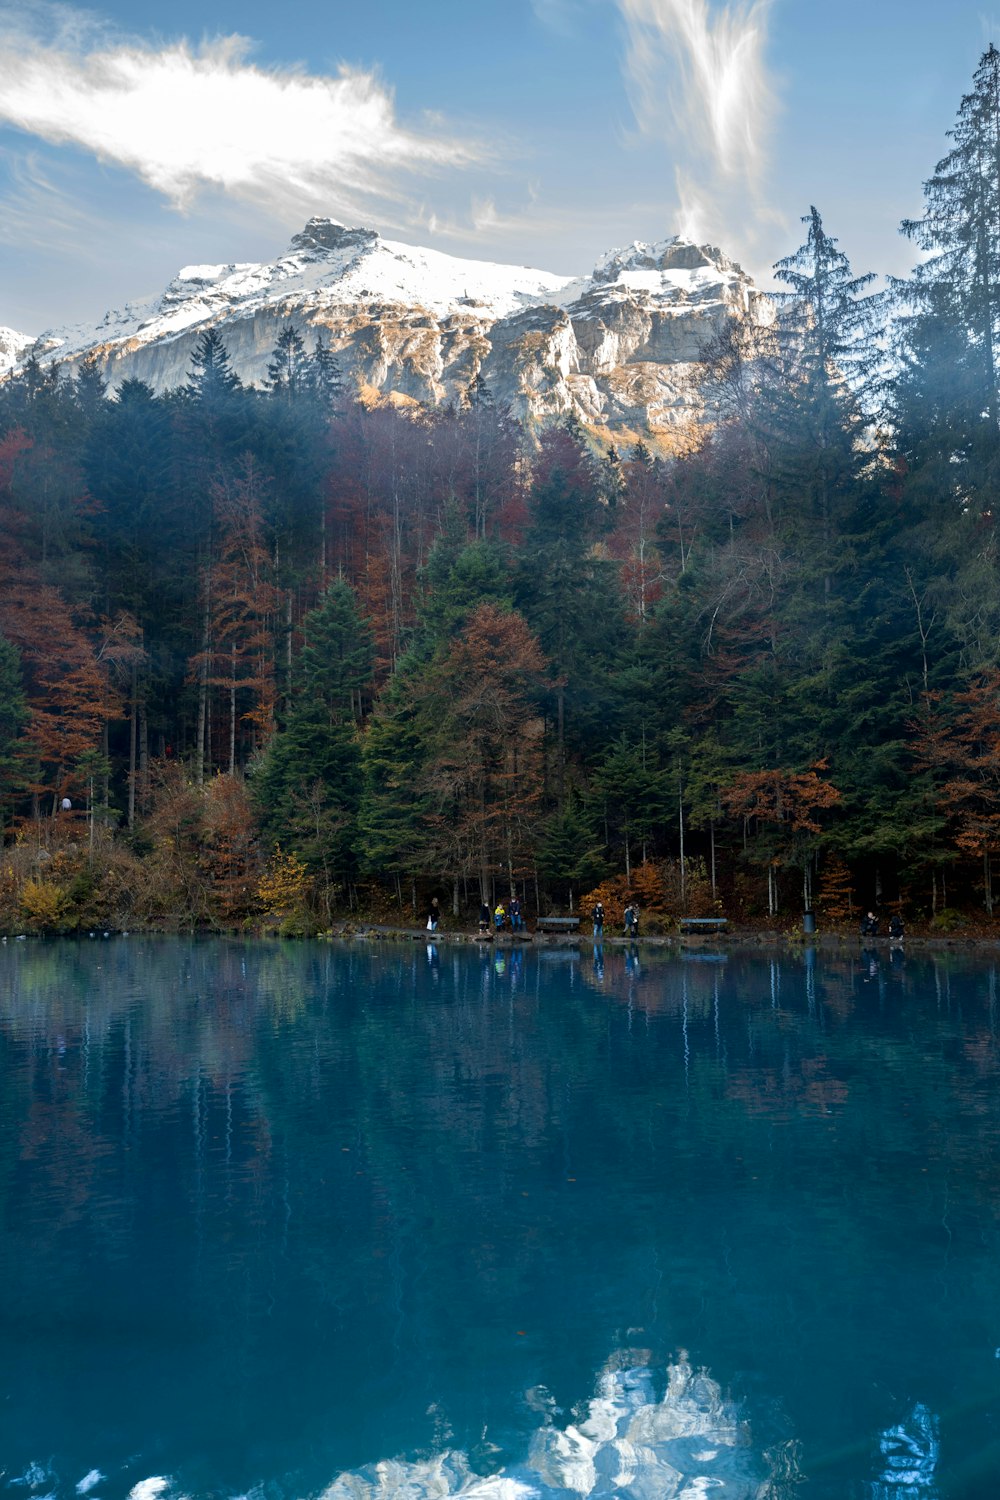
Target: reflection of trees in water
{"points": [[420, 1162]]}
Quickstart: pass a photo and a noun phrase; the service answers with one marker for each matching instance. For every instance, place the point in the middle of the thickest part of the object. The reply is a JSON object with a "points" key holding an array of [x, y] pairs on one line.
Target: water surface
{"points": [[271, 1215]]}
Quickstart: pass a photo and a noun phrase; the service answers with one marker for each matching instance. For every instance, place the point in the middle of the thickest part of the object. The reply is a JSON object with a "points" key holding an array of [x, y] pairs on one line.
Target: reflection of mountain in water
{"points": [[910, 1453], [688, 1444]]}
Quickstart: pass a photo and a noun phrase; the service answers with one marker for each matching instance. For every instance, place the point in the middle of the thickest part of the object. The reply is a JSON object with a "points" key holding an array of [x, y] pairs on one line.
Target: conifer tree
{"points": [[212, 378], [307, 788], [946, 399], [13, 718], [324, 375], [396, 802], [90, 388], [287, 372], [824, 392], [567, 593]]}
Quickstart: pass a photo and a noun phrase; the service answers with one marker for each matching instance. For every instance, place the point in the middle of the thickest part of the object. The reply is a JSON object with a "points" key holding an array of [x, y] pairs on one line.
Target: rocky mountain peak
{"points": [[621, 349], [674, 254], [322, 236]]}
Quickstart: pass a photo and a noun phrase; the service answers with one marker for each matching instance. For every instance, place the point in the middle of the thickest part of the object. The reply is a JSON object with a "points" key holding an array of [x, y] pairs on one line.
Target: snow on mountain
{"points": [[622, 347], [12, 348]]}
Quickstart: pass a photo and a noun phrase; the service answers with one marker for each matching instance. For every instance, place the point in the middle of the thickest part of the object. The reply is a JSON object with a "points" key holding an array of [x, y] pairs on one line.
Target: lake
{"points": [[285, 1220]]}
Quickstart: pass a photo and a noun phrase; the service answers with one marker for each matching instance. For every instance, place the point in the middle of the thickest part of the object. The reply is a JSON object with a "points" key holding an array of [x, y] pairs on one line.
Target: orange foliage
{"points": [[790, 797], [66, 680], [968, 748], [486, 776], [647, 888]]}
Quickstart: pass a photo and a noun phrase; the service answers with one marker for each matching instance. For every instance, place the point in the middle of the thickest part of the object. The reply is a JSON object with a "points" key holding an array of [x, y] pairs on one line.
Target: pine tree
{"points": [[633, 796], [212, 379], [959, 282], [288, 370], [824, 392], [13, 718], [90, 388], [568, 593], [324, 375], [396, 802], [307, 789], [569, 850]]}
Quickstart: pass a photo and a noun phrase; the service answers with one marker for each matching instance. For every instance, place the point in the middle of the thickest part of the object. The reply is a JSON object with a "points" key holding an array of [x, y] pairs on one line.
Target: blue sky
{"points": [[540, 132]]}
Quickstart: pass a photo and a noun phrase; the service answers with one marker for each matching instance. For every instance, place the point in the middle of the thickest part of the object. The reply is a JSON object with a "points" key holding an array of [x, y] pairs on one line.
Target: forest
{"points": [[273, 657]]}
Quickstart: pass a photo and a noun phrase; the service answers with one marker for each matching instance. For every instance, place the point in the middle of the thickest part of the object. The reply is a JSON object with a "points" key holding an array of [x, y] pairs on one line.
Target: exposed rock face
{"points": [[12, 348], [622, 348]]}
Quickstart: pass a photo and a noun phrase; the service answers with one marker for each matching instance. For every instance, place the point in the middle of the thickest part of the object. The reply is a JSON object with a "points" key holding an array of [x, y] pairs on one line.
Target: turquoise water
{"points": [[413, 1221]]}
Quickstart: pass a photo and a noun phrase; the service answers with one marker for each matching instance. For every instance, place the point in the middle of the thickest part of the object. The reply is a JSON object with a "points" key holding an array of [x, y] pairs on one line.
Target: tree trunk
{"points": [[143, 759], [202, 759], [288, 650], [987, 882], [133, 746], [232, 710], [680, 824]]}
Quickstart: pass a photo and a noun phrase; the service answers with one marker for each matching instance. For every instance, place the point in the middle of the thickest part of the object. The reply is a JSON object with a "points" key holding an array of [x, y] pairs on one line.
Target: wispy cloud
{"points": [[185, 119], [698, 80]]}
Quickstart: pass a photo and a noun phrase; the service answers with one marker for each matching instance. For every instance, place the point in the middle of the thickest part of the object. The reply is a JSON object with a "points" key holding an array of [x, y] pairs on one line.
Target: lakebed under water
{"points": [[409, 1220]]}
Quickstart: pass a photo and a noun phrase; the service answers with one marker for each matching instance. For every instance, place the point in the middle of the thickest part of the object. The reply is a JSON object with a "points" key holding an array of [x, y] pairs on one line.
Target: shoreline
{"points": [[733, 939]]}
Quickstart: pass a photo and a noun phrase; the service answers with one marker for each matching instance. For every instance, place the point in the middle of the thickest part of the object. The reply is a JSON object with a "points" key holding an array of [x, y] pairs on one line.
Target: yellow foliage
{"points": [[42, 904], [284, 885]]}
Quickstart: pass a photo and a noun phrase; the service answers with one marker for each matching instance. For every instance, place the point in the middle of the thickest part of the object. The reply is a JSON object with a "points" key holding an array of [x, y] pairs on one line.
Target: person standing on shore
{"points": [[598, 919]]}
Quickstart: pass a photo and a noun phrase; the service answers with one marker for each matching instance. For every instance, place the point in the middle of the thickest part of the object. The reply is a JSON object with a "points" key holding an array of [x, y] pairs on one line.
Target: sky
{"points": [[134, 140]]}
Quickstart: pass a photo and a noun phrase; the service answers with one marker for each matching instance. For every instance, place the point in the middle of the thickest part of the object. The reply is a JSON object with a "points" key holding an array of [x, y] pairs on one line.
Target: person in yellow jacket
{"points": [[499, 916]]}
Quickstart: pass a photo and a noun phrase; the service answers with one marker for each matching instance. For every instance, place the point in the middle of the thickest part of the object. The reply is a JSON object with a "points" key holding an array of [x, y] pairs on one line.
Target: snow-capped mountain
{"points": [[622, 347], [12, 348]]}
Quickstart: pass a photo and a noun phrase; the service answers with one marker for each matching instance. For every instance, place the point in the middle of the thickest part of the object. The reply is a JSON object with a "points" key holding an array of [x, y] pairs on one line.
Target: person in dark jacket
{"points": [[869, 926]]}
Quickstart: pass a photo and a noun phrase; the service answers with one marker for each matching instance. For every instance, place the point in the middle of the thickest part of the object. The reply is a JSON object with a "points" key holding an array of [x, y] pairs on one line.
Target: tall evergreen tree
{"points": [[324, 375], [307, 789], [568, 592], [212, 377], [823, 396], [958, 283], [13, 718], [288, 370]]}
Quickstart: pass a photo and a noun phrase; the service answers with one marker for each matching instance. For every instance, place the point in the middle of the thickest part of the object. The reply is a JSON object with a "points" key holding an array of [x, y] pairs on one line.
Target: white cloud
{"points": [[185, 119], [698, 80]]}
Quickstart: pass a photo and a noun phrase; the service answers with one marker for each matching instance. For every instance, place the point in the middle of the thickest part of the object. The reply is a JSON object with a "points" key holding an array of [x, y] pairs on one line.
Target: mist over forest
{"points": [[278, 655]]}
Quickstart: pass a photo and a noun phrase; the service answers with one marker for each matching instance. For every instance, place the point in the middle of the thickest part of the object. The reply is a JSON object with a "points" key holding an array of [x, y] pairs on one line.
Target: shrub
{"points": [[947, 920], [283, 888], [43, 904]]}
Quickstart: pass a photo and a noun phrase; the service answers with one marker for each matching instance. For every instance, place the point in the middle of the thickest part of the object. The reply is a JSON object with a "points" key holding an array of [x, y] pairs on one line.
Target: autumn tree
{"points": [[483, 776], [783, 807]]}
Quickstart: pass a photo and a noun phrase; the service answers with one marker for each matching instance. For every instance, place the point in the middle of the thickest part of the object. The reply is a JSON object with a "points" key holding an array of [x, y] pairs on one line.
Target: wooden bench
{"points": [[557, 924], [703, 924]]}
